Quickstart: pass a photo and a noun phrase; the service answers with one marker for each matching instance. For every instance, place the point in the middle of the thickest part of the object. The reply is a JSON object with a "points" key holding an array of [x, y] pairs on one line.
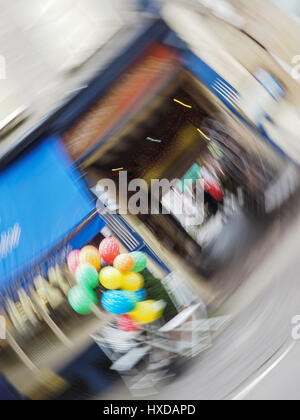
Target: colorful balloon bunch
{"points": [[120, 275], [85, 265]]}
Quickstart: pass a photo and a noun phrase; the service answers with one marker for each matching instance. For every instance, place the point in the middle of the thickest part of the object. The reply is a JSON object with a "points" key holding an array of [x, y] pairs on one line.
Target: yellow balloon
{"points": [[146, 312], [110, 278], [132, 282]]}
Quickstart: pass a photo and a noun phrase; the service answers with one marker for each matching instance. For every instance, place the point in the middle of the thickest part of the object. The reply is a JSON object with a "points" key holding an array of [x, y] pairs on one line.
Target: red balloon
{"points": [[126, 323], [109, 250]]}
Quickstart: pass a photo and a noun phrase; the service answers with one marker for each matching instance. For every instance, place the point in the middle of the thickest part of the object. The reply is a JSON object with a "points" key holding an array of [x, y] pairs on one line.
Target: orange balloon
{"points": [[124, 262], [90, 254]]}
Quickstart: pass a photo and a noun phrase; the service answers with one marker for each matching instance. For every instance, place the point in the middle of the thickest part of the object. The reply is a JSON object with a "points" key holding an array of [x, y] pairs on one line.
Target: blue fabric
{"points": [[7, 391], [91, 367], [43, 199]]}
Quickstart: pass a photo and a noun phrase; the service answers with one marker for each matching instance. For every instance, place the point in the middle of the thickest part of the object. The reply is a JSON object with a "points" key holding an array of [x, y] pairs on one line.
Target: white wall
{"points": [[291, 7]]}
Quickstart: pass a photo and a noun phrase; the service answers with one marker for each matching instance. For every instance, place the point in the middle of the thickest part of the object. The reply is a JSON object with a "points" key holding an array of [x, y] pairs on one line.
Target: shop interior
{"points": [[182, 135]]}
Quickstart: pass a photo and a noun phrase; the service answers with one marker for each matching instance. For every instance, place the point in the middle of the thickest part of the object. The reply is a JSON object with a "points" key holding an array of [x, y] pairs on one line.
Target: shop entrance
{"points": [[183, 135]]}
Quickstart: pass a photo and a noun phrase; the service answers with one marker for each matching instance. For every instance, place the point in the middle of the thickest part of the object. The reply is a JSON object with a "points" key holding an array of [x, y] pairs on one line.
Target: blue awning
{"points": [[43, 199]]}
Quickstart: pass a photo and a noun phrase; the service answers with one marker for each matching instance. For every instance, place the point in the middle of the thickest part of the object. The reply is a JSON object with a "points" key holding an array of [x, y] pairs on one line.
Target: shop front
{"points": [[170, 116], [157, 112], [49, 213]]}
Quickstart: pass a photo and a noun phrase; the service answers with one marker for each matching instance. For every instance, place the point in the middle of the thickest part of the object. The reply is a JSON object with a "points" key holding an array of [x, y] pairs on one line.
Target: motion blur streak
{"points": [[107, 291]]}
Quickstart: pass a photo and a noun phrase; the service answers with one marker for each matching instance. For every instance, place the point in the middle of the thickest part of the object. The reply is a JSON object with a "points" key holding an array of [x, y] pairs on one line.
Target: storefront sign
{"points": [[147, 73]]}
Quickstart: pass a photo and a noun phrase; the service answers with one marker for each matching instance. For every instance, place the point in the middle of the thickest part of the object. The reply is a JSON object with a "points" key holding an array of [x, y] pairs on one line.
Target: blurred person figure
{"points": [[149, 6]]}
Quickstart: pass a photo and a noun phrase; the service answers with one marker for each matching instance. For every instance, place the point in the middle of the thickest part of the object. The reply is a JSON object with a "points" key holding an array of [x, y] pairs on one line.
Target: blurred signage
{"points": [[10, 240], [43, 200], [192, 175], [148, 73], [260, 96]]}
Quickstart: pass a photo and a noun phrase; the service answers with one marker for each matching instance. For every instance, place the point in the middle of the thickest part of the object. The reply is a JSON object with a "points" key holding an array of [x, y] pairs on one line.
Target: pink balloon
{"points": [[73, 260], [126, 323]]}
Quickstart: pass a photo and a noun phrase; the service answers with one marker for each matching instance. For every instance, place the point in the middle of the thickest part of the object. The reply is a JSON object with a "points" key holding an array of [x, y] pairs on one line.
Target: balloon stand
{"points": [[155, 325]]}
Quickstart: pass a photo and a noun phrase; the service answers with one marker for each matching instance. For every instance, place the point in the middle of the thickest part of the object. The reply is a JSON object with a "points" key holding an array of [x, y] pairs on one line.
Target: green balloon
{"points": [[82, 299], [87, 276], [140, 261]]}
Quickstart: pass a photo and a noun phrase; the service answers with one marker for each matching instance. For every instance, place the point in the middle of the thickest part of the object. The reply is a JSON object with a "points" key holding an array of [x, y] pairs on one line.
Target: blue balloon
{"points": [[131, 296], [117, 302], [141, 295]]}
